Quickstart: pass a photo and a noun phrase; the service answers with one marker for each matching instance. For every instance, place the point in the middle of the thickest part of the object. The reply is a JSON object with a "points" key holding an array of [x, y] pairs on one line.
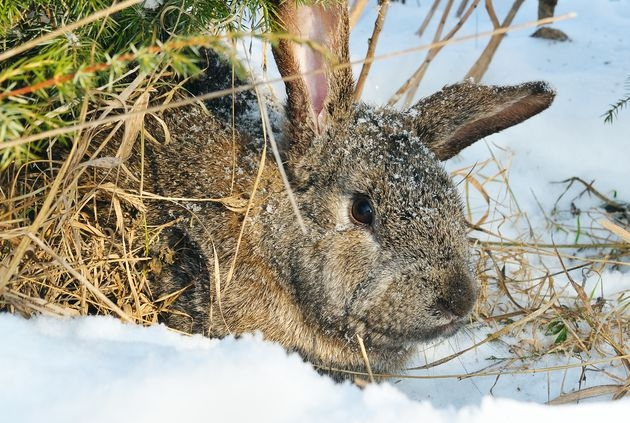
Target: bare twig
{"points": [[369, 57], [492, 14], [428, 18], [480, 67], [412, 84], [461, 8], [355, 12]]}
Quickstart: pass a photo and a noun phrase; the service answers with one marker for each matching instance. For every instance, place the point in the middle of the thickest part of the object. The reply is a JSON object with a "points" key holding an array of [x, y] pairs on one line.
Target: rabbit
{"points": [[382, 253]]}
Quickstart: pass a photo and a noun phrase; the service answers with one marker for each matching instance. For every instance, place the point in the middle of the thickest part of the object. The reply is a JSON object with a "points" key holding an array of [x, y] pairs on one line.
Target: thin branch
{"points": [[480, 67], [412, 84], [428, 18], [355, 12], [378, 26], [492, 14], [461, 8]]}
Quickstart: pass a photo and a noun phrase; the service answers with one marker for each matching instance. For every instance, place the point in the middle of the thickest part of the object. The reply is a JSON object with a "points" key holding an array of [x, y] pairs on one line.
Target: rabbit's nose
{"points": [[459, 295]]}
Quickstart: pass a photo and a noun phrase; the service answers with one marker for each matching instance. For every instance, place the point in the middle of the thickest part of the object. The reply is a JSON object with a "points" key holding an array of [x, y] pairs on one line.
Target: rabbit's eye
{"points": [[362, 211]]}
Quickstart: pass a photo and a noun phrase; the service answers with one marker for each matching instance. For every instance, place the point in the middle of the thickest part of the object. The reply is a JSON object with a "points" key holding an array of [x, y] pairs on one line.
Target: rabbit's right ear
{"points": [[313, 42], [454, 118]]}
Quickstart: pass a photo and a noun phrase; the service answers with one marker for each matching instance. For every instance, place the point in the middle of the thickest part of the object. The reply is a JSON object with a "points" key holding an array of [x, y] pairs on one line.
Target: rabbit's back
{"points": [[205, 177]]}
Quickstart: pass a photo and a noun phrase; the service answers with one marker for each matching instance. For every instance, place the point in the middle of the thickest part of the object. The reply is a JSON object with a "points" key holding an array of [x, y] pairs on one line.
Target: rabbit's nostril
{"points": [[445, 309], [459, 294], [457, 302]]}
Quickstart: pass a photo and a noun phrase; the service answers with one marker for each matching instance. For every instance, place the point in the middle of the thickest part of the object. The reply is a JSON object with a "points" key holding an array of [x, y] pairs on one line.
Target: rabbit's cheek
{"points": [[414, 306], [348, 263]]}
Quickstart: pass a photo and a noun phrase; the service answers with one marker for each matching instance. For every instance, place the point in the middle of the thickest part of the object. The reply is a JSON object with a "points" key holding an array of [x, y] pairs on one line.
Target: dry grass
{"points": [[539, 296], [73, 244]]}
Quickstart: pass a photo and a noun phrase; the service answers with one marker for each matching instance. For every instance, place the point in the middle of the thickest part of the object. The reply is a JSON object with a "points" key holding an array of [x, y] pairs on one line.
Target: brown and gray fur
{"points": [[402, 279]]}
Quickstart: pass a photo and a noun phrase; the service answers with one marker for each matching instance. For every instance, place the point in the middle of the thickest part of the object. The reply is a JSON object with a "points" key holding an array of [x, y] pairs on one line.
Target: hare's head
{"points": [[385, 255]]}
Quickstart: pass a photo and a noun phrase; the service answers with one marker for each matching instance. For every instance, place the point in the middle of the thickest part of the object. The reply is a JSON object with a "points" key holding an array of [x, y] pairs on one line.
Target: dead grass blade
{"points": [[39, 219], [594, 391], [365, 358], [133, 126], [113, 307], [217, 288], [616, 229]]}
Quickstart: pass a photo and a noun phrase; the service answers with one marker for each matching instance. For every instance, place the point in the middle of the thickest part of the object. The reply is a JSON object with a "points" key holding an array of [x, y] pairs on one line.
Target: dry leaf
{"points": [[133, 125]]}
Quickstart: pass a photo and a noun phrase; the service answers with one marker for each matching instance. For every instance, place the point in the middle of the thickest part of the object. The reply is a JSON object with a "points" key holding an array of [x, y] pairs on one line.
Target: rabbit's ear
{"points": [[315, 42], [454, 118]]}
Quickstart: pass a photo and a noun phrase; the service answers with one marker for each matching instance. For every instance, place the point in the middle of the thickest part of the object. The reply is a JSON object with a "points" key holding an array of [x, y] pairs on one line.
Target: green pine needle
{"points": [[611, 114], [42, 88]]}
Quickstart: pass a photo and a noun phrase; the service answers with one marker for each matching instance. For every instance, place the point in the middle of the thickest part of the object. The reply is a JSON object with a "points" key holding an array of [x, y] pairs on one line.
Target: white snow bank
{"points": [[99, 370]]}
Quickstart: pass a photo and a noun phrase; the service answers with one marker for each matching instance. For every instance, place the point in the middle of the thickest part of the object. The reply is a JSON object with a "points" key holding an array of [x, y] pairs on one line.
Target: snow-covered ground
{"points": [[97, 369]]}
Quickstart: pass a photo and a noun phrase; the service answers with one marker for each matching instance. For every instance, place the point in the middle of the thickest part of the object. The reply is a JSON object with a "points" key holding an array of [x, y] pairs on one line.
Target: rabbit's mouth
{"points": [[449, 328], [442, 330], [449, 319], [389, 338]]}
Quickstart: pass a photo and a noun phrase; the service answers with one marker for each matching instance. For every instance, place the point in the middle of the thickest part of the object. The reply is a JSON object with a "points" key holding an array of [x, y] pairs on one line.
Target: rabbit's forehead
{"points": [[383, 134], [390, 160]]}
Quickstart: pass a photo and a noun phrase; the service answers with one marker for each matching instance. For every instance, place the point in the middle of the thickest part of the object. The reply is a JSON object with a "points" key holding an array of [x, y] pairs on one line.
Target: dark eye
{"points": [[362, 211]]}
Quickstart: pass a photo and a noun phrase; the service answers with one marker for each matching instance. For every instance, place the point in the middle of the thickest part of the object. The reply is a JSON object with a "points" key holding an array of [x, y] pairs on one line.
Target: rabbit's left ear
{"points": [[315, 40], [458, 115]]}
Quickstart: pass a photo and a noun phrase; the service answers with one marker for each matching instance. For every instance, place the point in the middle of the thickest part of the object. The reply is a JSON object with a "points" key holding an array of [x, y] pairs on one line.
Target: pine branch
{"points": [[54, 52], [611, 114]]}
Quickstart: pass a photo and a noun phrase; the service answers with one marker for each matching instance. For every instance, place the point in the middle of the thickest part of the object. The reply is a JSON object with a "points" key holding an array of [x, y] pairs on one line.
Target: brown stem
{"points": [[369, 57], [355, 12], [480, 67], [412, 84], [461, 8], [428, 18], [492, 14], [546, 8]]}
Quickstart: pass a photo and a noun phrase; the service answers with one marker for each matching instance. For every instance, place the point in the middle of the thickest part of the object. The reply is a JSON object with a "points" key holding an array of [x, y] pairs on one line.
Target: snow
{"points": [[98, 369], [152, 4]]}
